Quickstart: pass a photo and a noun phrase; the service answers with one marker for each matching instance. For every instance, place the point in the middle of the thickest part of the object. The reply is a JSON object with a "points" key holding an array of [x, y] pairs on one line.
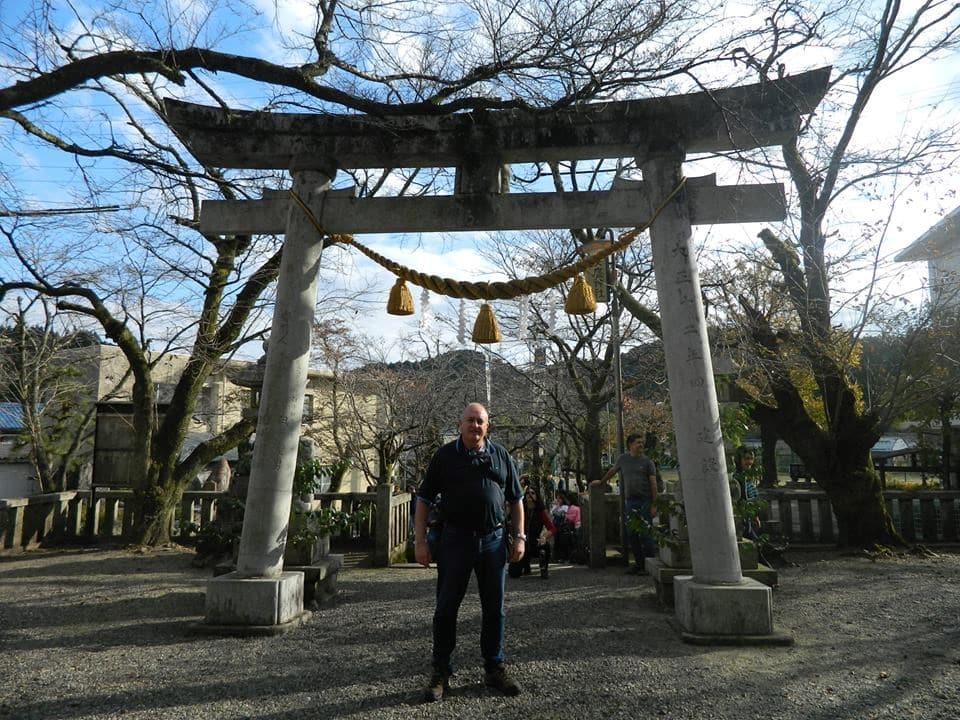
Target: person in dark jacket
{"points": [[478, 481], [540, 529]]}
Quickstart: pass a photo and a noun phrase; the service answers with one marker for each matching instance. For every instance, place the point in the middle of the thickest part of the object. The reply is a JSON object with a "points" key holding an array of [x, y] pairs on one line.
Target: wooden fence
{"points": [[806, 516], [70, 517], [803, 517]]}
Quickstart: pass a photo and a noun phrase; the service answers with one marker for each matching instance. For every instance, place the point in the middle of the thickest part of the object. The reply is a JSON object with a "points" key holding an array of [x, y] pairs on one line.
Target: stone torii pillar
{"points": [[258, 594], [716, 603]]}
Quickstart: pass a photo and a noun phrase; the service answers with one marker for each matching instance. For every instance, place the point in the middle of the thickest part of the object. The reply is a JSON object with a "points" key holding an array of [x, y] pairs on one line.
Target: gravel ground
{"points": [[98, 634]]}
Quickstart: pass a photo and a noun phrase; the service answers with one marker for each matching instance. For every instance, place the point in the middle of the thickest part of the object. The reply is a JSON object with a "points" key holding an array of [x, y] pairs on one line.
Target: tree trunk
{"points": [[855, 494], [339, 473], [862, 517], [591, 445], [158, 504], [842, 467]]}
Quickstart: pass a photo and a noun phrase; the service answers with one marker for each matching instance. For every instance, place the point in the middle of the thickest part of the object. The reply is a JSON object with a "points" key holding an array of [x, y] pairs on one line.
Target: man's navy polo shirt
{"points": [[472, 485]]}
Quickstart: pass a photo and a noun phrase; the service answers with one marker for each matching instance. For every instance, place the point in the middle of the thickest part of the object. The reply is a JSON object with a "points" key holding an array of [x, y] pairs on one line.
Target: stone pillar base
{"points": [[740, 614], [320, 581], [253, 606], [663, 576]]}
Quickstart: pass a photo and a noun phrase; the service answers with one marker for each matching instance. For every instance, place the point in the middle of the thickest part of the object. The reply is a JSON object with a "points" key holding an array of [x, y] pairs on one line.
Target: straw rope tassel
{"points": [[426, 316], [401, 301], [523, 321], [491, 290], [486, 329], [580, 300]]}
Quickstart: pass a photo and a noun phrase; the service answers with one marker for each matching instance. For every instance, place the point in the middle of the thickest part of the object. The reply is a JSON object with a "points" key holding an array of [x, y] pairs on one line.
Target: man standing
{"points": [[477, 480], [638, 476]]}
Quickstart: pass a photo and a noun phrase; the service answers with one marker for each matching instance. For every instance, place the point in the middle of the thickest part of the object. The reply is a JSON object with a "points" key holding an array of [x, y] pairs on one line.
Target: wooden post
{"points": [[207, 511], [907, 527], [75, 516], [384, 517], [928, 519], [948, 519], [13, 532], [825, 512], [597, 520], [186, 510], [111, 506], [805, 512]]}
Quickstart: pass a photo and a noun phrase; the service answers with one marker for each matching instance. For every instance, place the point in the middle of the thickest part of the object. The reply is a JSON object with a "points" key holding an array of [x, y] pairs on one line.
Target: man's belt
{"points": [[475, 533]]}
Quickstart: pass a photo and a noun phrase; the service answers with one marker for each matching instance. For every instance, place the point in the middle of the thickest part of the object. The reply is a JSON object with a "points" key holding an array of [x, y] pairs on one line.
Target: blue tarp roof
{"points": [[11, 416], [890, 444]]}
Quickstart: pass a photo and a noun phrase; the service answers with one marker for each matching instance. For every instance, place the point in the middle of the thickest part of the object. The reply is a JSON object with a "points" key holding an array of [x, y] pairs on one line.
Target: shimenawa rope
{"points": [[491, 290]]}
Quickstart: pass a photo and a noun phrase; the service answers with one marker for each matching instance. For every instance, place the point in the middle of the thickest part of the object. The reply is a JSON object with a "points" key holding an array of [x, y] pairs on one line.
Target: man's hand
{"points": [[422, 551], [516, 550]]}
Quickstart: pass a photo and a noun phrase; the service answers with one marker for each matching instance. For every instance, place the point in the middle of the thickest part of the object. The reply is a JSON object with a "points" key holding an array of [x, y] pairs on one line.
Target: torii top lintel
{"points": [[738, 118]]}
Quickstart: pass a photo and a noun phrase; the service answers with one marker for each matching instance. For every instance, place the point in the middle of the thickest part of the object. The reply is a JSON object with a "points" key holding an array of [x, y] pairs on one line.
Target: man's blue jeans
{"points": [[641, 546], [463, 552]]}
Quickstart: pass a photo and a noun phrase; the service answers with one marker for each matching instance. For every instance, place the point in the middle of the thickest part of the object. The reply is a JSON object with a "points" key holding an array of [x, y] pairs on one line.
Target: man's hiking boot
{"points": [[498, 679], [438, 685]]}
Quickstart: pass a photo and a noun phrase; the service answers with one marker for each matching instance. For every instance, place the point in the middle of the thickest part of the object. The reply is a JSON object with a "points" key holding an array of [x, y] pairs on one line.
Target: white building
{"points": [[940, 248], [16, 472], [224, 399]]}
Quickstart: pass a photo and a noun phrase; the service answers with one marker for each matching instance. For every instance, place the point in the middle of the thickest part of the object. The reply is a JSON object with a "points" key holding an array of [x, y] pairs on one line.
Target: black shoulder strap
{"points": [[496, 469]]}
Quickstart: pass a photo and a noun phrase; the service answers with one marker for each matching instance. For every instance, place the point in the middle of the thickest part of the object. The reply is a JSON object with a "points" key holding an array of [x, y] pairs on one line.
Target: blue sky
{"points": [[45, 179]]}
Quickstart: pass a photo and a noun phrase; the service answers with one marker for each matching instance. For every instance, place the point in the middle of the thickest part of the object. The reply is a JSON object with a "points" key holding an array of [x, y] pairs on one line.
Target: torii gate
{"points": [[716, 600]]}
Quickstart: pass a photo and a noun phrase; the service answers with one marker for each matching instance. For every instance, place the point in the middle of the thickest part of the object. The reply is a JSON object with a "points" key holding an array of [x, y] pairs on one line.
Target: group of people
{"points": [[540, 532], [552, 532]]}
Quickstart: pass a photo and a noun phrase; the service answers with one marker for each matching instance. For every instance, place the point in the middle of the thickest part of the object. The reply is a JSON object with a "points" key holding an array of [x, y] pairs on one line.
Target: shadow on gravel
{"points": [[100, 636], [160, 702], [163, 620], [82, 564]]}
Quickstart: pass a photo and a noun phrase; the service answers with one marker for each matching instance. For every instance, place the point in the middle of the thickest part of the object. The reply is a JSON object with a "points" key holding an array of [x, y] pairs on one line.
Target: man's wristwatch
{"points": [[520, 536]]}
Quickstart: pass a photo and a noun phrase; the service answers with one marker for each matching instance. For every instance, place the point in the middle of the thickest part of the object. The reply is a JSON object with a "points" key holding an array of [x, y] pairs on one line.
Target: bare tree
{"points": [[572, 375], [800, 360], [381, 412], [41, 369], [89, 85]]}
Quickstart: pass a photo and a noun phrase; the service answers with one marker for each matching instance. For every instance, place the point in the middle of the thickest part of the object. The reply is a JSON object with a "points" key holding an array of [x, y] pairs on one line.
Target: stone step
{"points": [[357, 559]]}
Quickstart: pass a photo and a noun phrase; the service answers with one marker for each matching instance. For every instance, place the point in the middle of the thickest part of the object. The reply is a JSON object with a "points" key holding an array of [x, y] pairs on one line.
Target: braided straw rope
{"points": [[491, 290]]}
